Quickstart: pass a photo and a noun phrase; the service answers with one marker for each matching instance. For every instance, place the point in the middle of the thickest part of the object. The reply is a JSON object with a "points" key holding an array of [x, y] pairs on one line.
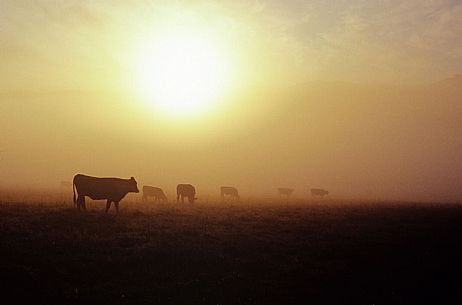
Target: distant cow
{"points": [[110, 189], [185, 190], [319, 192], [285, 191], [230, 191], [152, 191]]}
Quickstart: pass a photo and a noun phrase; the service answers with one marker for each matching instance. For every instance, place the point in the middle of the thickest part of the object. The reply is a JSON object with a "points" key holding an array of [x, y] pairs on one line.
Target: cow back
{"points": [[152, 191]]}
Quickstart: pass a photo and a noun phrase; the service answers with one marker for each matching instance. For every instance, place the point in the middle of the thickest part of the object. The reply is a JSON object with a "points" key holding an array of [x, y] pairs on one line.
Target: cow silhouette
{"points": [[231, 191], [156, 192], [319, 192], [110, 189], [285, 191], [185, 190]]}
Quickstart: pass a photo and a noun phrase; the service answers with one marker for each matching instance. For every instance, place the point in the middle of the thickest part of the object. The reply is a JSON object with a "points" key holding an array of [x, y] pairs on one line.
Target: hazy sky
{"points": [[88, 44], [71, 101]]}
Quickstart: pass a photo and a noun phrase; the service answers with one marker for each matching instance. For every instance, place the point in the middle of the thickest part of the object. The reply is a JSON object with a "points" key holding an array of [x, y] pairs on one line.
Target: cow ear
{"points": [[131, 178]]}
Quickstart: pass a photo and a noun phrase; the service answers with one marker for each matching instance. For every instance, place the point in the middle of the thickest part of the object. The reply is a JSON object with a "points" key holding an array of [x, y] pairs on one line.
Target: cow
{"points": [[156, 192], [319, 192], [285, 191], [110, 189], [185, 190], [229, 190]]}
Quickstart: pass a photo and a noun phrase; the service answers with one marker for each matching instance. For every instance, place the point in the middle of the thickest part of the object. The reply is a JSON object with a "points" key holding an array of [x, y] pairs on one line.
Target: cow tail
{"points": [[73, 188]]}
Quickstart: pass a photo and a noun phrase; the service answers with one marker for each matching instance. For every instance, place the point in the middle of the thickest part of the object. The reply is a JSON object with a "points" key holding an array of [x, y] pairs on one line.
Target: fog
{"points": [[377, 142]]}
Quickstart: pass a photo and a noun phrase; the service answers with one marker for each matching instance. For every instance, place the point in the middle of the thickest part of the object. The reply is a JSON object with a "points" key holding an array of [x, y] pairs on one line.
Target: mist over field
{"points": [[398, 142]]}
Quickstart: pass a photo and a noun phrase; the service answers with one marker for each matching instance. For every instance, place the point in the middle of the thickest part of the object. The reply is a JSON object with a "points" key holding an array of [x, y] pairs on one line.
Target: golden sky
{"points": [[358, 97], [90, 44]]}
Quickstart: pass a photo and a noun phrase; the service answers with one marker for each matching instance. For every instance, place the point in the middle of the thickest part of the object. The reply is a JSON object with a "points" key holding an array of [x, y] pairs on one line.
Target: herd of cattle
{"points": [[114, 189]]}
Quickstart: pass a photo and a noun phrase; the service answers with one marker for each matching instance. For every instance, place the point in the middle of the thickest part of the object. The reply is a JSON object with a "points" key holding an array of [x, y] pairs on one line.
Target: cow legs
{"points": [[108, 205], [77, 203], [81, 202]]}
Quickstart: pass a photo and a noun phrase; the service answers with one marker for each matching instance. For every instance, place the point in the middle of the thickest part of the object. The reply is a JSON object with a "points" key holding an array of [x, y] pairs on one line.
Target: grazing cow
{"points": [[110, 189], [185, 190], [156, 192], [285, 191], [319, 192], [229, 190]]}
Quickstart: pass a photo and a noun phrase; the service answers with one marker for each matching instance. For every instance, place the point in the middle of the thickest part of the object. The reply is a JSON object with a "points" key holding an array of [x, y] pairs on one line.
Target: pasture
{"points": [[247, 252]]}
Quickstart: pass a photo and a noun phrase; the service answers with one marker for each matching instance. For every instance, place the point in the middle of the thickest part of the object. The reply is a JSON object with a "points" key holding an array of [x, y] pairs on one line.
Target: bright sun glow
{"points": [[182, 72]]}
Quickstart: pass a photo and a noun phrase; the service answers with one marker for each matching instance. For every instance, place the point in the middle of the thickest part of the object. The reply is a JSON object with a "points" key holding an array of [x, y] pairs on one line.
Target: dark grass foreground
{"points": [[241, 254]]}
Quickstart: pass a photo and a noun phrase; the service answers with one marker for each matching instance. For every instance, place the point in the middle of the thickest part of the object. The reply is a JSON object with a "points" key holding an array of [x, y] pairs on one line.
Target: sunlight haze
{"points": [[360, 97]]}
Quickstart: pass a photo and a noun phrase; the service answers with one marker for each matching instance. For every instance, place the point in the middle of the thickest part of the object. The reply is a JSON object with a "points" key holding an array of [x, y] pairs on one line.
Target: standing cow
{"points": [[110, 189], [185, 190], [285, 191], [156, 192], [230, 191], [319, 192]]}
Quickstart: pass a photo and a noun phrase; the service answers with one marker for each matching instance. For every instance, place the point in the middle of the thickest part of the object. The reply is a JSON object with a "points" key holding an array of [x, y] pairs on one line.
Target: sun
{"points": [[182, 71]]}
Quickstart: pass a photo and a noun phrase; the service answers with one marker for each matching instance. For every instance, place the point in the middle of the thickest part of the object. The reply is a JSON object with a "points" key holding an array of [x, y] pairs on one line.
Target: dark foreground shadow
{"points": [[250, 255]]}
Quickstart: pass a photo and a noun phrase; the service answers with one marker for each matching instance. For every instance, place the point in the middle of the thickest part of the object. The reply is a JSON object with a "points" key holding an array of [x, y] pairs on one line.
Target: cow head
{"points": [[133, 185], [191, 199]]}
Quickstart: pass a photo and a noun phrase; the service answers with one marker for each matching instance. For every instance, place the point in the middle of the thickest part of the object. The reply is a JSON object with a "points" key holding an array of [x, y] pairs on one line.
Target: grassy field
{"points": [[244, 253]]}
